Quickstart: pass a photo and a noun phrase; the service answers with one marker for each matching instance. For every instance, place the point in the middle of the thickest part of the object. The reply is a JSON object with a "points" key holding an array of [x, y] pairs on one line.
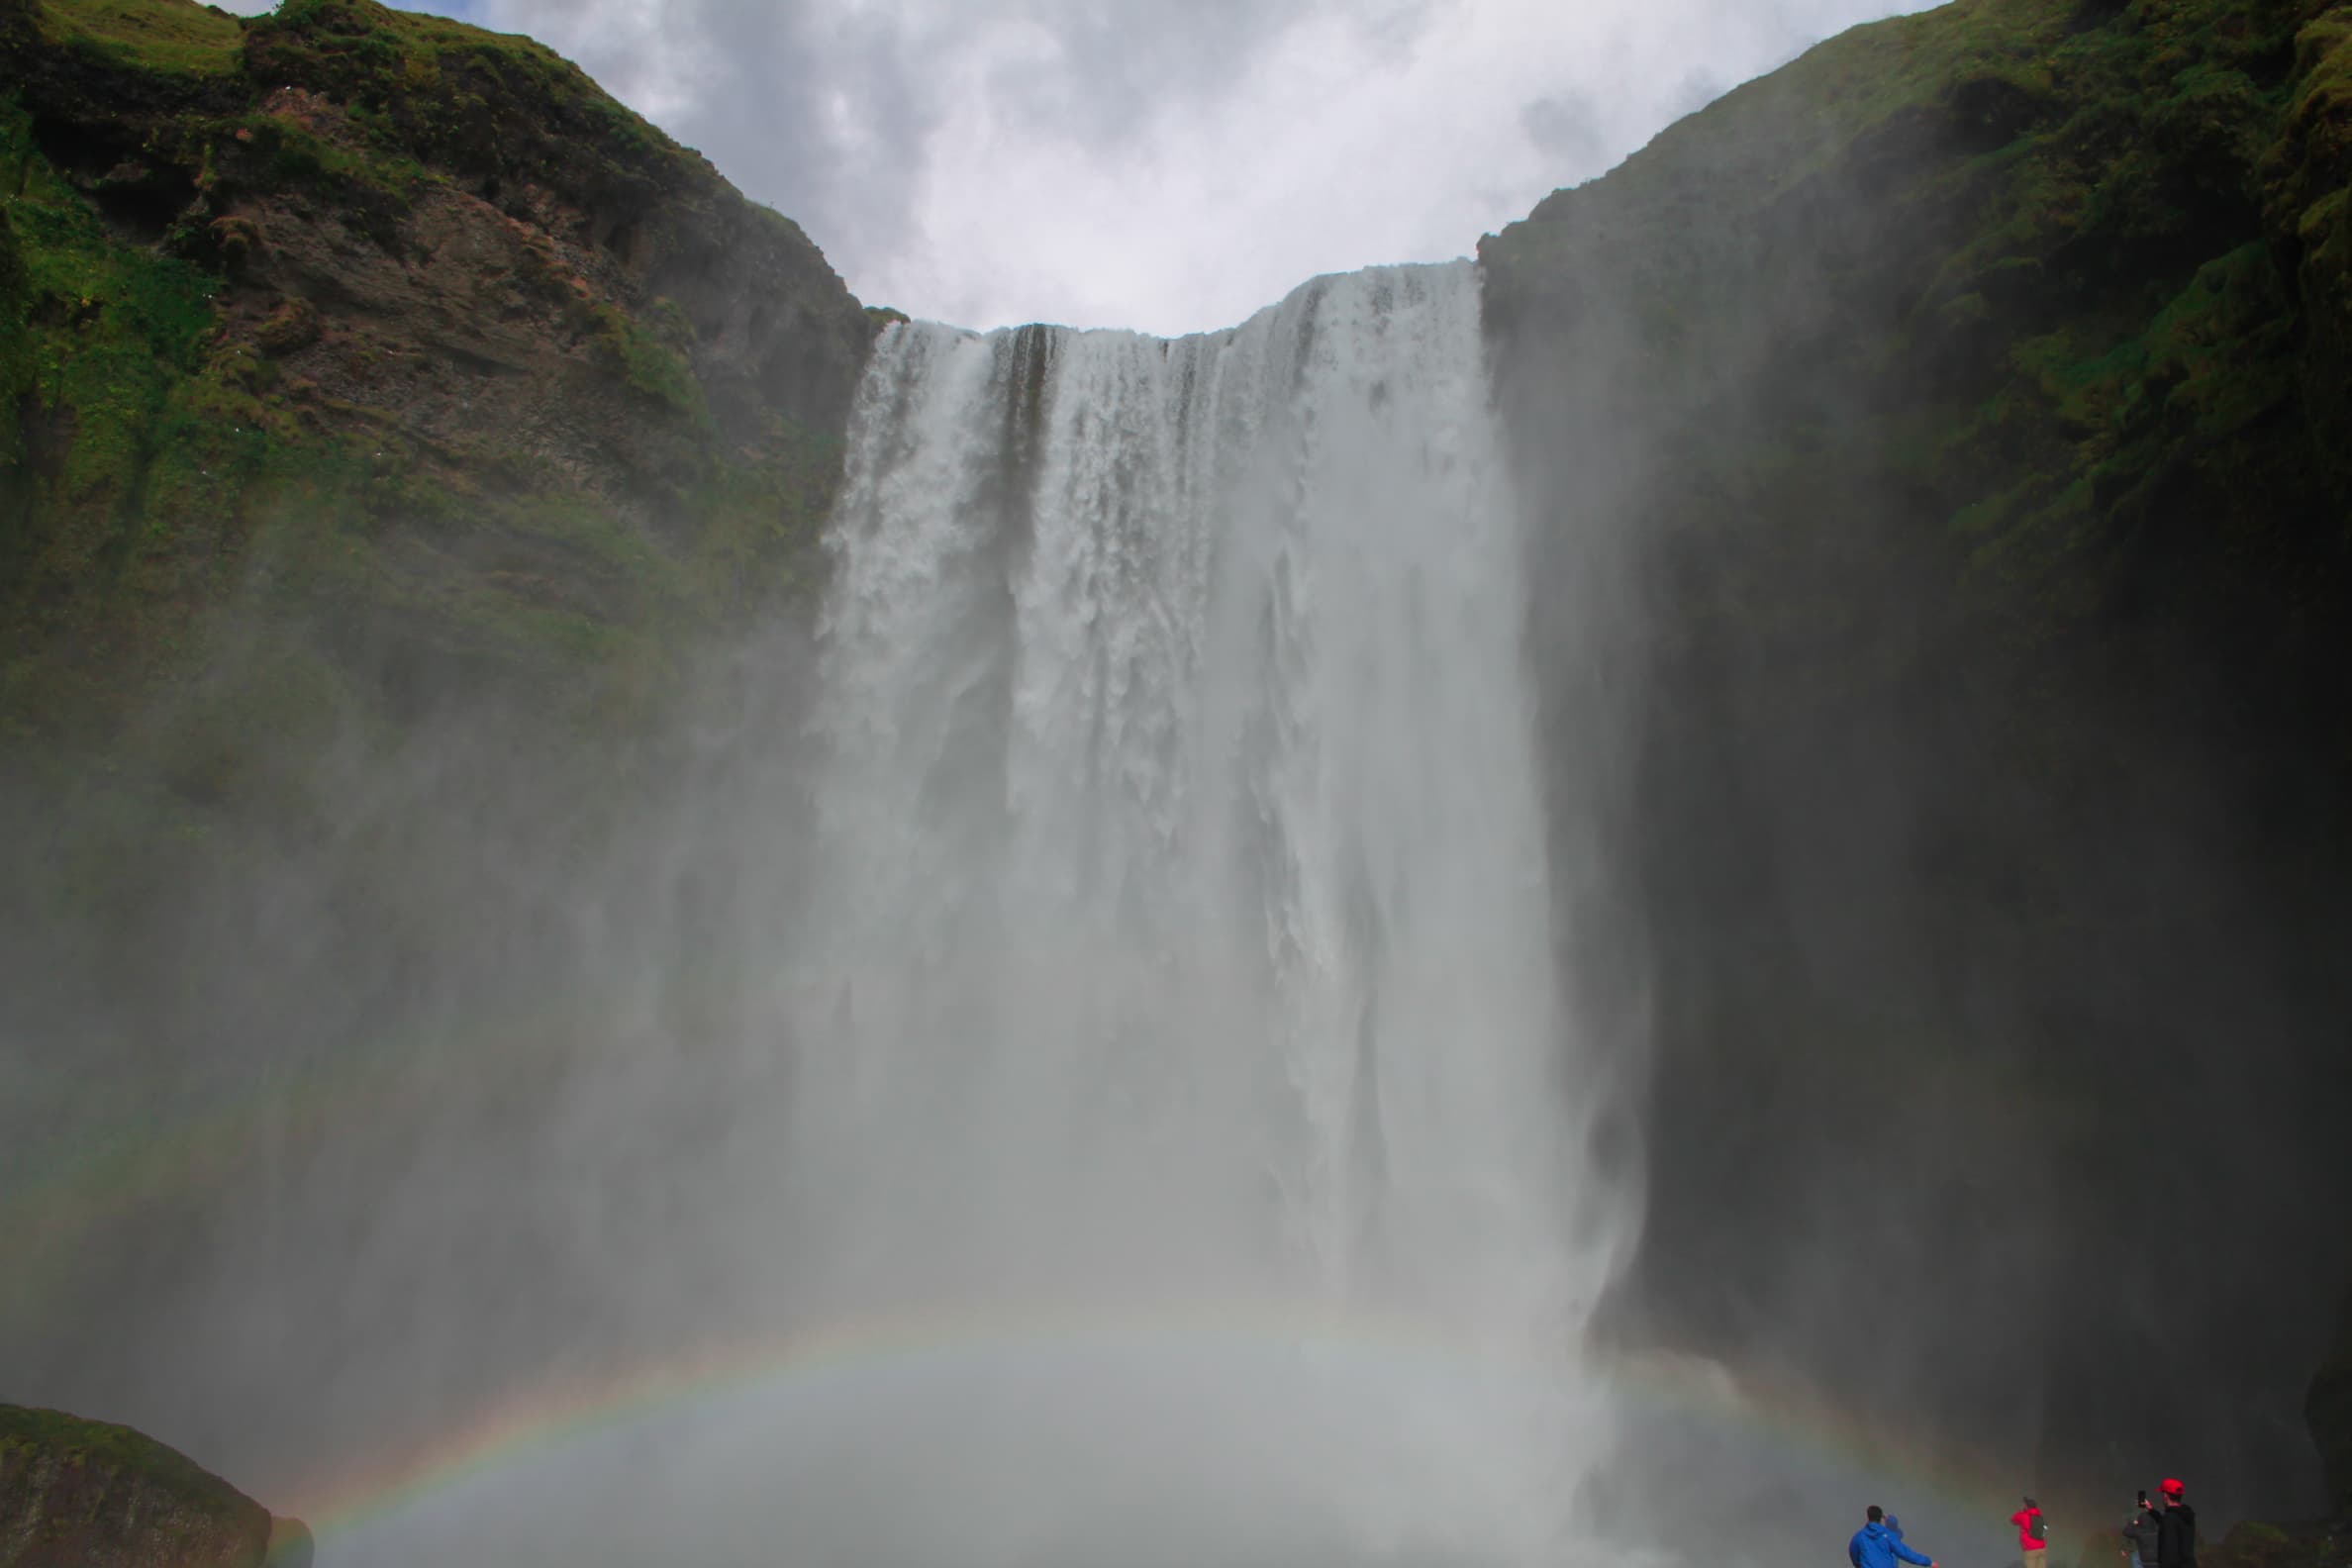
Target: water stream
{"points": [[1181, 969]]}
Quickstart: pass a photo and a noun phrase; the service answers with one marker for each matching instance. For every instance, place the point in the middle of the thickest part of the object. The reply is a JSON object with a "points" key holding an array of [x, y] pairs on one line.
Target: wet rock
{"points": [[85, 1494]]}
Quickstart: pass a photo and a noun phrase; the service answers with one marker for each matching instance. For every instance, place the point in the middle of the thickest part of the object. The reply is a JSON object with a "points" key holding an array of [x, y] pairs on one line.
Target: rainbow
{"points": [[1781, 1413], [1776, 1415], [559, 1411], [82, 1186]]}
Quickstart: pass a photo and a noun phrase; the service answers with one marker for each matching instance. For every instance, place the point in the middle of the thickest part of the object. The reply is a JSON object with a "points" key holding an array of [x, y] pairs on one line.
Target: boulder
{"points": [[85, 1494]]}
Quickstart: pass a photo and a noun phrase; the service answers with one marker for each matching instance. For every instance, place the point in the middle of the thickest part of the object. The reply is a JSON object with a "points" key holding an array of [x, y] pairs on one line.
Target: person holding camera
{"points": [[2141, 1535]]}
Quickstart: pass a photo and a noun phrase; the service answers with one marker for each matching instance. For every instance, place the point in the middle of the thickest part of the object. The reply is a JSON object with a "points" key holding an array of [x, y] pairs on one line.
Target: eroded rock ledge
{"points": [[86, 1494]]}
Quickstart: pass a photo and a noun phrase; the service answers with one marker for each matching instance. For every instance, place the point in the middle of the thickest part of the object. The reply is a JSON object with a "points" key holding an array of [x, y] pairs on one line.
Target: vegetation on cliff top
{"points": [[278, 282], [358, 366], [2066, 254], [2054, 300], [92, 1492], [73, 1440], [190, 39]]}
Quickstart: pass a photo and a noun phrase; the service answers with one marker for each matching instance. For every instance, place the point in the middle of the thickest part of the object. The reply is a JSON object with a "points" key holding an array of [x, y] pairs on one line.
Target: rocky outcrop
{"points": [[83, 1493], [359, 370], [1954, 419], [488, 379]]}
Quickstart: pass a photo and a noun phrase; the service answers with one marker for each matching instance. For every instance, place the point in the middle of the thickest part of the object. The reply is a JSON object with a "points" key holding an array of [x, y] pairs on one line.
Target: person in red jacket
{"points": [[2033, 1534]]}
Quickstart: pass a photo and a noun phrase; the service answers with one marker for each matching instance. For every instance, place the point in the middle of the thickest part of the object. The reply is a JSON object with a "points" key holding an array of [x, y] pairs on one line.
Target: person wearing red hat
{"points": [[2033, 1535], [2176, 1528]]}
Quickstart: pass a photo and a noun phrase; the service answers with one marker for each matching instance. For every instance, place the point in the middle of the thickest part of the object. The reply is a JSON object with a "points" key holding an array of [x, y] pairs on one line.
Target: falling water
{"points": [[1178, 992]]}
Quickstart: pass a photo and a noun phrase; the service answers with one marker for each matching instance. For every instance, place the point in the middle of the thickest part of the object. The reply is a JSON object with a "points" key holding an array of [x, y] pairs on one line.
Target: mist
{"points": [[1061, 1059], [1496, 917]]}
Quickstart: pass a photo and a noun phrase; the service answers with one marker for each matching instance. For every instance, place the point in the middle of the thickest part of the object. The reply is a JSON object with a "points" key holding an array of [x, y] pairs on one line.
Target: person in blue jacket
{"points": [[1879, 1544]]}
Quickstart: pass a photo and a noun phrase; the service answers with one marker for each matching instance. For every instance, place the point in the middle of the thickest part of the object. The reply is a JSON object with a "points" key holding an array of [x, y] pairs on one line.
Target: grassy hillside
{"points": [[406, 331], [359, 370]]}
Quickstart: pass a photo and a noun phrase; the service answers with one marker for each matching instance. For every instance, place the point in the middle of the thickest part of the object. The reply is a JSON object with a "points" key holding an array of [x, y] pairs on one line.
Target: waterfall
{"points": [[1177, 990]]}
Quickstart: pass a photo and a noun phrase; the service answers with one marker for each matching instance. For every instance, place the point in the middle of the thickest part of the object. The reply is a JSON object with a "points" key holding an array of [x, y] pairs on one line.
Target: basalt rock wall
{"points": [[1937, 448]]}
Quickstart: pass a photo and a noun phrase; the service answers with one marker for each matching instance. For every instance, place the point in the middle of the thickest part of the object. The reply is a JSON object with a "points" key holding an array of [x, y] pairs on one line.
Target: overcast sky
{"points": [[1165, 164]]}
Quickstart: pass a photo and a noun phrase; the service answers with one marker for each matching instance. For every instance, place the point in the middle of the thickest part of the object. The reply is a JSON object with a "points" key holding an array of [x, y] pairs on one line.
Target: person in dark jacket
{"points": [[1876, 1546], [2176, 1528], [2139, 1534]]}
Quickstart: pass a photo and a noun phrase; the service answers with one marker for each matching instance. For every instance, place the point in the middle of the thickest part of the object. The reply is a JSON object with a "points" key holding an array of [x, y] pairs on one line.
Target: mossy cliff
{"points": [[362, 375], [401, 326], [1954, 422], [390, 424], [85, 1494]]}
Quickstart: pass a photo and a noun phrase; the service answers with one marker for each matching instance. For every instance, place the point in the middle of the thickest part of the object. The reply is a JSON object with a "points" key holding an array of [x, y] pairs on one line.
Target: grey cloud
{"points": [[767, 120], [762, 78], [757, 83], [1153, 161], [1118, 67]]}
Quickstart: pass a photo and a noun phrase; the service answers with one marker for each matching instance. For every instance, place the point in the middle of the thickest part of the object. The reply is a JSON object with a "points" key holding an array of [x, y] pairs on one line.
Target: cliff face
{"points": [[83, 1493], [358, 371], [389, 423], [1955, 419], [480, 377]]}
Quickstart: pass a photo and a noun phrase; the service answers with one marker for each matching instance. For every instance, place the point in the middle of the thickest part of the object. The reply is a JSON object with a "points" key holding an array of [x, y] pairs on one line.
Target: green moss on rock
{"points": [[1968, 399], [2042, 288], [357, 366], [85, 1494], [215, 394]]}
